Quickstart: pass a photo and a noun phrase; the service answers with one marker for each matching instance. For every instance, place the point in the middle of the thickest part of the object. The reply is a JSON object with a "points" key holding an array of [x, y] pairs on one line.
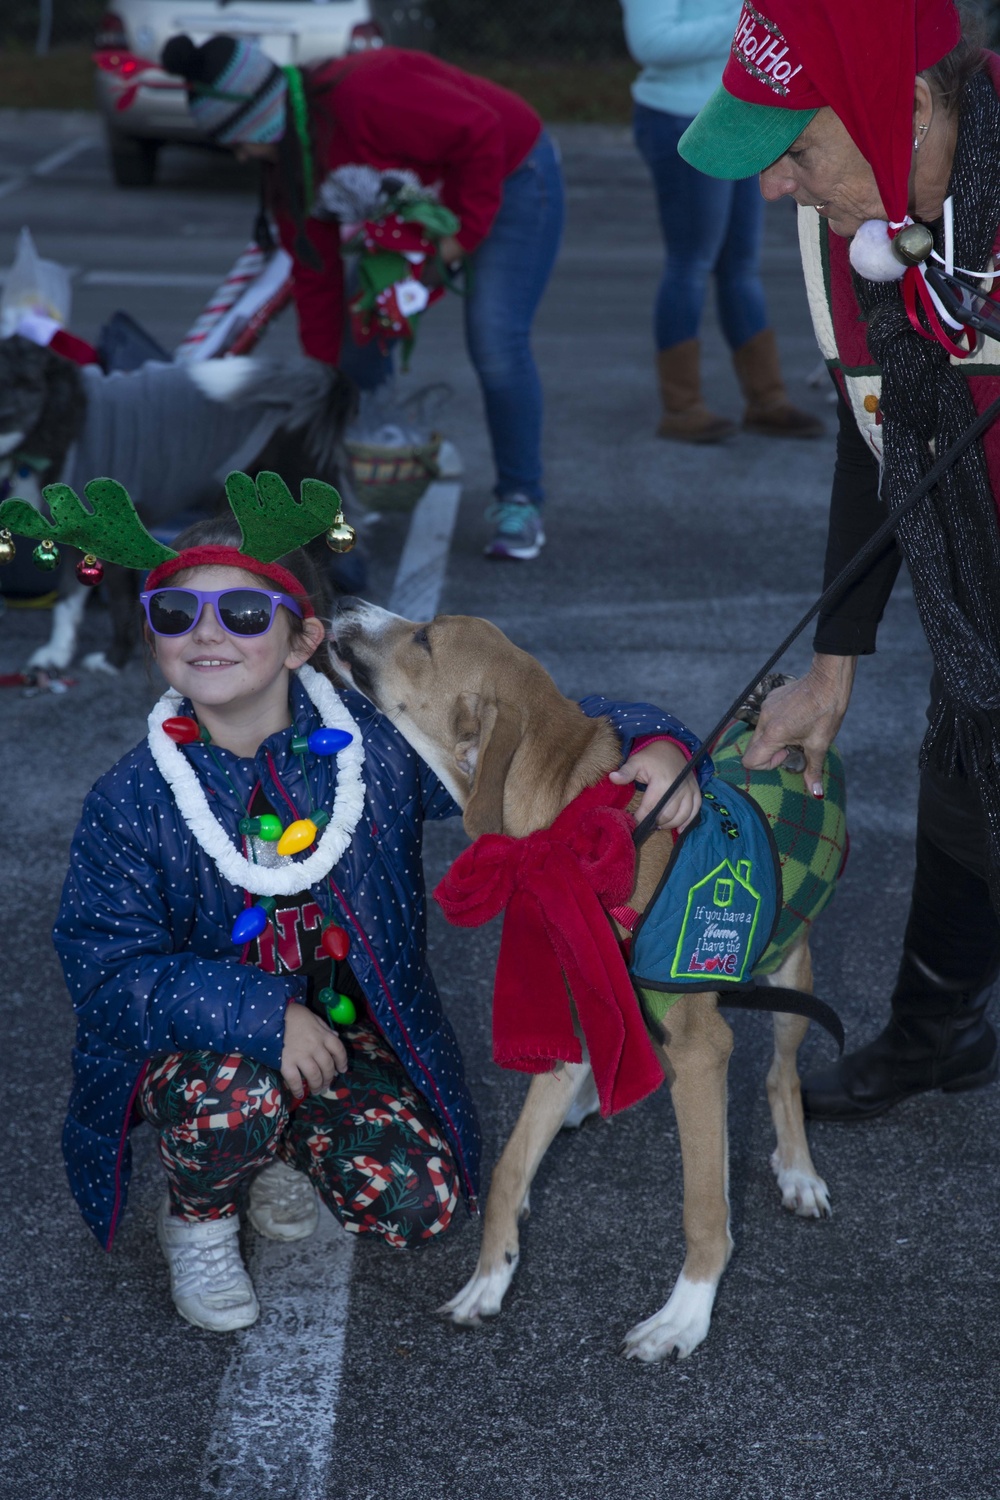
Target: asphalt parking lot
{"points": [[854, 1359]]}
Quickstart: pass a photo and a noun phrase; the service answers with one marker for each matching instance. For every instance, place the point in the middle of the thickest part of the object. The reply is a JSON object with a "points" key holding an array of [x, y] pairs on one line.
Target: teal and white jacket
{"points": [[682, 47]]}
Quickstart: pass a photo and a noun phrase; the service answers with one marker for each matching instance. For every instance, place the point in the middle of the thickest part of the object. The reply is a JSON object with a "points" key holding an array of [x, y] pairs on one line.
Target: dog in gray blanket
{"points": [[170, 434]]}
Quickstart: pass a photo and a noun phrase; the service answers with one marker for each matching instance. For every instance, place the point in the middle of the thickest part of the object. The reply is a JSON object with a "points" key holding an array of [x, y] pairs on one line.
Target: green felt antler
{"points": [[111, 530], [272, 521]]}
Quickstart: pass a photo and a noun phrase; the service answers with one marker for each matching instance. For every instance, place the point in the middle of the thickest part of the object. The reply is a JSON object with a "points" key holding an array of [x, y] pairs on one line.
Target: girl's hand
{"points": [[313, 1054], [658, 765]]}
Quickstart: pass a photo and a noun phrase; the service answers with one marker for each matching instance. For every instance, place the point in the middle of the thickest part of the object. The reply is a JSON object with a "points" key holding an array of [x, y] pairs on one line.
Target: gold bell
{"points": [[913, 244], [7, 548], [341, 537]]}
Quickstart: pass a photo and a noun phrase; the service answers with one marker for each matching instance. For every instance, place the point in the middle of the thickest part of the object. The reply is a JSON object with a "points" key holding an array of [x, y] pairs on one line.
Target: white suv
{"points": [[289, 31]]}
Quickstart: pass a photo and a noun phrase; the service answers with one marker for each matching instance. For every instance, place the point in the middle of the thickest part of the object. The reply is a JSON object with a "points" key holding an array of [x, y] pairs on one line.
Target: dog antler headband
{"points": [[271, 521]]}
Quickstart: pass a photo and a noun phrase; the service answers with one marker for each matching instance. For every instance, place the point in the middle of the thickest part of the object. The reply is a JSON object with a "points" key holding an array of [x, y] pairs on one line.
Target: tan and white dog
{"points": [[514, 752]]}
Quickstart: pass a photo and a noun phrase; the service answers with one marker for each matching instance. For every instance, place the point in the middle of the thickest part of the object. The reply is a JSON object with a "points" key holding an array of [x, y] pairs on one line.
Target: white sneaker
{"points": [[283, 1203], [208, 1280]]}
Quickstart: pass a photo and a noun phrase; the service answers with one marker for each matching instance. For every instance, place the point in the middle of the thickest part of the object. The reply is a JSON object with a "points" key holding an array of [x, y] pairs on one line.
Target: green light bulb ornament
{"points": [[340, 1009]]}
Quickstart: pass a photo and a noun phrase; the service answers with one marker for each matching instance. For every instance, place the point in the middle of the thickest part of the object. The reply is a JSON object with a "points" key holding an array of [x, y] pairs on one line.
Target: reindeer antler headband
{"points": [[271, 523]]}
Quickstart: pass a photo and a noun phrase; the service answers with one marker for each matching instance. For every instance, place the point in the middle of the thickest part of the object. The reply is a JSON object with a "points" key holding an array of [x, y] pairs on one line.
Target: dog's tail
{"points": [[315, 399]]}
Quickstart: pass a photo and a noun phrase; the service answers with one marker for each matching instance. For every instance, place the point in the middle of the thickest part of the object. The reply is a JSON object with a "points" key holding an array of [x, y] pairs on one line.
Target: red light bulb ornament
{"points": [[185, 731], [335, 942]]}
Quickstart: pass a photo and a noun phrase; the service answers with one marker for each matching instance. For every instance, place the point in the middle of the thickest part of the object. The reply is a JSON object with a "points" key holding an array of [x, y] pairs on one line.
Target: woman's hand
{"points": [[450, 250], [807, 712], [313, 1054], [658, 765]]}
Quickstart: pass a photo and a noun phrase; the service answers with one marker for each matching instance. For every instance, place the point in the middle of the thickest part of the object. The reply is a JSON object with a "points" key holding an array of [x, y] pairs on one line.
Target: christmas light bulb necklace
{"points": [[192, 803]]}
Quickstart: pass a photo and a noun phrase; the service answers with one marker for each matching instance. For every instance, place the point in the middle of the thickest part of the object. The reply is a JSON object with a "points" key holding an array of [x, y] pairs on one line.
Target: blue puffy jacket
{"points": [[143, 932]]}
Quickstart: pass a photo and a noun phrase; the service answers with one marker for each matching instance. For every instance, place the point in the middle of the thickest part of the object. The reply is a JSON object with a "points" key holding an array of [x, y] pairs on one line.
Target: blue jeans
{"points": [[507, 275], [709, 228]]}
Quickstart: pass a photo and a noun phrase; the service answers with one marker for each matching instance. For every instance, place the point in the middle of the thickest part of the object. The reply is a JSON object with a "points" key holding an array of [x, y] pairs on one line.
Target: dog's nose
{"points": [[346, 605]]}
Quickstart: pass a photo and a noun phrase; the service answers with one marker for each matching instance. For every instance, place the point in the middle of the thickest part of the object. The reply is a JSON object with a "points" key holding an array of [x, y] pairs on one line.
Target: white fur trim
{"points": [[293, 876], [871, 253], [811, 229]]}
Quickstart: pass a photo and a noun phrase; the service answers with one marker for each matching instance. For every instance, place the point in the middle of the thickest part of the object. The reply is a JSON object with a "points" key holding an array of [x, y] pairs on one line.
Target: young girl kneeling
{"points": [[269, 1013]]}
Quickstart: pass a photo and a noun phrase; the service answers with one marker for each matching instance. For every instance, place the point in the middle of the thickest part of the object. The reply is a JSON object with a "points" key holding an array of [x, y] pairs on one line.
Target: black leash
{"points": [[857, 562], [789, 1002]]}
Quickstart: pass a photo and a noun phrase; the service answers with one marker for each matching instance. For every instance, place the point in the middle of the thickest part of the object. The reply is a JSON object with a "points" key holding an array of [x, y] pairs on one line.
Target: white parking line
{"points": [[420, 575], [275, 1413], [151, 278], [272, 1433], [47, 165]]}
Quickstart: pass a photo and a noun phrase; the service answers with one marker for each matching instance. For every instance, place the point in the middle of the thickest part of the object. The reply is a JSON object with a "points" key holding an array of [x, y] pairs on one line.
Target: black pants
{"points": [[949, 815], [952, 926]]}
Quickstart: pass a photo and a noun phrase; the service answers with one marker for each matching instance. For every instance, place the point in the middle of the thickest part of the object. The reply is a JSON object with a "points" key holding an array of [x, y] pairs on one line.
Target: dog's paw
{"points": [[96, 661], [802, 1193], [482, 1296], [678, 1328], [50, 659]]}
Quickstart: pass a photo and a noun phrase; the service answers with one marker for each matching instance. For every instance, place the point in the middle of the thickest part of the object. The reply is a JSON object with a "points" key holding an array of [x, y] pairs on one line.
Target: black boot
{"points": [[938, 1036]]}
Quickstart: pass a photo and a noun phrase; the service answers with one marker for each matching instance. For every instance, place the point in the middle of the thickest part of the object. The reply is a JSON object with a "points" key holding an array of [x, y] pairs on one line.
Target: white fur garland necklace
{"points": [[348, 804]]}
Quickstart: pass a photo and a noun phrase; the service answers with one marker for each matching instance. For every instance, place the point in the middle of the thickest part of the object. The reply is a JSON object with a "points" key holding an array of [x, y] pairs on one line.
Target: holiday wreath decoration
{"points": [[394, 224]]}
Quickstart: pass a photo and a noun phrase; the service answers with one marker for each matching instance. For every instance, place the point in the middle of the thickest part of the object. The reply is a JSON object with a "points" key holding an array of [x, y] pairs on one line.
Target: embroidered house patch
{"points": [[719, 924], [713, 912]]}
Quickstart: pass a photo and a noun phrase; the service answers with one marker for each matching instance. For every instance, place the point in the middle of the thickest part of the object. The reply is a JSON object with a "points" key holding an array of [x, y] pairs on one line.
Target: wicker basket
{"points": [[393, 478]]}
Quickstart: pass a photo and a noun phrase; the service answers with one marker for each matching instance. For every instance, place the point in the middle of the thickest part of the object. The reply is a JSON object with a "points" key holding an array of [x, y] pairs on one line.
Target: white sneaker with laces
{"points": [[208, 1280], [283, 1203]]}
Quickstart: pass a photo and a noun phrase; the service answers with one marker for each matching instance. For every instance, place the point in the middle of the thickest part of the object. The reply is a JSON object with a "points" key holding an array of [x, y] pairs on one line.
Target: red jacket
{"points": [[394, 108]]}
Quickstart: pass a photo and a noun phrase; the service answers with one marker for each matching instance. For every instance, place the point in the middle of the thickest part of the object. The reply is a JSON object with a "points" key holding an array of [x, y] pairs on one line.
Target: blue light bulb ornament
{"points": [[252, 920], [329, 741], [321, 741]]}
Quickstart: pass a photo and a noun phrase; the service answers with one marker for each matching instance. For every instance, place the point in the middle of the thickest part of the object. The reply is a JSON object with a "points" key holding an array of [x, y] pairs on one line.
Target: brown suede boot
{"points": [[768, 409], [686, 418]]}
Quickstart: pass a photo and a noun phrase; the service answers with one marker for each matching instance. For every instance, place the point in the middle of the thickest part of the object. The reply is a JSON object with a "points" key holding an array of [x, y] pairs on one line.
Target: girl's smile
{"points": [[238, 685]]}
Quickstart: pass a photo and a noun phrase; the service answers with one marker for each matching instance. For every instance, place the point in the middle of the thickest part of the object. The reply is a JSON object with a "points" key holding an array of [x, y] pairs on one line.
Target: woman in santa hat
{"points": [[876, 123], [496, 168]]}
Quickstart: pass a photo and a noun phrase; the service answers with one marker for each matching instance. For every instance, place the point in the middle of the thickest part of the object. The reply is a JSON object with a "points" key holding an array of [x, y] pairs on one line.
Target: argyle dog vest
{"points": [[761, 863]]}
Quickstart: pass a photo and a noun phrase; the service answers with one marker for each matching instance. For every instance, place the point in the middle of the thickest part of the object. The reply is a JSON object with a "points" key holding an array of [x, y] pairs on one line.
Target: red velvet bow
{"points": [[558, 942]]}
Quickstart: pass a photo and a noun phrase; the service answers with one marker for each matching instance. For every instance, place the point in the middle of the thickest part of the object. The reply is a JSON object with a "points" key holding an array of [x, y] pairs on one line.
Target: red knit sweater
{"points": [[394, 108]]}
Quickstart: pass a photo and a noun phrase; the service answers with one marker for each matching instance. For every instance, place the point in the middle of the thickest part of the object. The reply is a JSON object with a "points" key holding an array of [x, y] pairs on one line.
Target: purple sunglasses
{"points": [[240, 611]]}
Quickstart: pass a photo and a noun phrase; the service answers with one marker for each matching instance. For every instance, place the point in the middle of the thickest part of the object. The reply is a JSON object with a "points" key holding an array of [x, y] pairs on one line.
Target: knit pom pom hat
{"points": [[236, 94]]}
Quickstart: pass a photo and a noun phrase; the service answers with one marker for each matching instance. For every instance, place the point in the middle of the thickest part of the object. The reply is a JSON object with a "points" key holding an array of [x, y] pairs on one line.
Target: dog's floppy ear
{"points": [[487, 734]]}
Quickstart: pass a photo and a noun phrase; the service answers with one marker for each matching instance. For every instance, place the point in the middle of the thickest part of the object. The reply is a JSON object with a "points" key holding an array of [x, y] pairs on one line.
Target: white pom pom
{"points": [[871, 253]]}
